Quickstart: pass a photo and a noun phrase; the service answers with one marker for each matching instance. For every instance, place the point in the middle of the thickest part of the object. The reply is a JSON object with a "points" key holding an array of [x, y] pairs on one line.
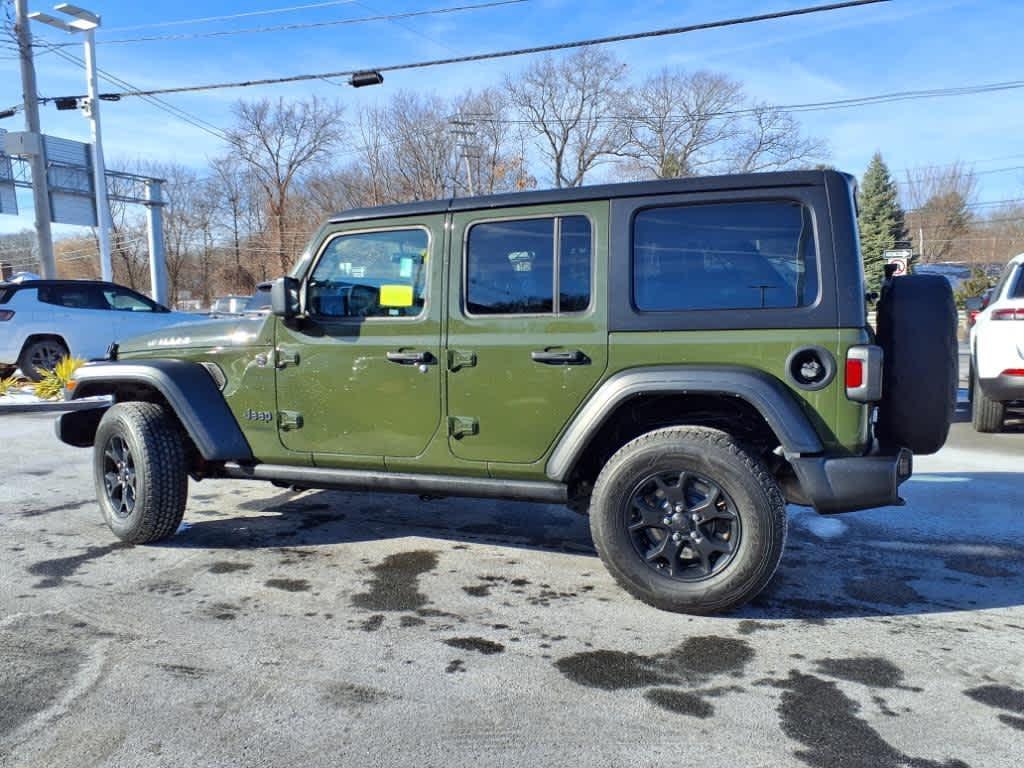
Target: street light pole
{"points": [[99, 170], [37, 160], [87, 21]]}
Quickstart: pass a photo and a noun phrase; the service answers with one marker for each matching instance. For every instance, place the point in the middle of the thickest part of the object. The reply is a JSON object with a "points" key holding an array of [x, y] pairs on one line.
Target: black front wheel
{"points": [[688, 521], [139, 465]]}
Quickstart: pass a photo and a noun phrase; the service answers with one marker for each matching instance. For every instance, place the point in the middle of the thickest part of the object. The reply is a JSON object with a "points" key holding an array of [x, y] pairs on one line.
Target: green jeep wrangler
{"points": [[679, 359]]}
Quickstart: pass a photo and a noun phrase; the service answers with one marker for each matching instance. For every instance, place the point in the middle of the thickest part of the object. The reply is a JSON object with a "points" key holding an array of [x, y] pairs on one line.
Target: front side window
{"points": [[529, 266], [371, 274], [127, 301], [750, 255]]}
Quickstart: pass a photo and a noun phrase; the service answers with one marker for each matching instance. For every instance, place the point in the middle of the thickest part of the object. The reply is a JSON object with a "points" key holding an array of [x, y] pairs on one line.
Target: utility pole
{"points": [[87, 22], [464, 130], [157, 257], [37, 159], [920, 238]]}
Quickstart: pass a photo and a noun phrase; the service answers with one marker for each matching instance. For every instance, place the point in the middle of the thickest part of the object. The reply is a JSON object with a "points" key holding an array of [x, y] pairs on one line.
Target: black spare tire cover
{"points": [[917, 329]]}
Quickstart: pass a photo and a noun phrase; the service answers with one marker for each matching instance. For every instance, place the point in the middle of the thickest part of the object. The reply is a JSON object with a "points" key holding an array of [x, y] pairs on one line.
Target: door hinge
{"points": [[460, 426], [289, 420], [284, 358], [458, 360]]}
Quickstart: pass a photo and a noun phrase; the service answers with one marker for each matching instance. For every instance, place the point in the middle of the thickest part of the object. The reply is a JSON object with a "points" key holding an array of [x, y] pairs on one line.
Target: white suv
{"points": [[42, 321], [997, 350]]}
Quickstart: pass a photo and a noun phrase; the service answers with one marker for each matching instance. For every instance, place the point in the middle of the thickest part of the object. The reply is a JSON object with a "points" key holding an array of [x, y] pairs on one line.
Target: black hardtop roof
{"points": [[51, 283], [597, 192]]}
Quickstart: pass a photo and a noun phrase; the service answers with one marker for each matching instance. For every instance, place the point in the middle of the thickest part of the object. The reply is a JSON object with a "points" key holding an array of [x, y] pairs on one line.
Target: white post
{"points": [[99, 169], [157, 258]]}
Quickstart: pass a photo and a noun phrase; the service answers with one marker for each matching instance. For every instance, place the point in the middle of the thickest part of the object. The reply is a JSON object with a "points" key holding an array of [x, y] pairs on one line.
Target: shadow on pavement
{"points": [[927, 557]]}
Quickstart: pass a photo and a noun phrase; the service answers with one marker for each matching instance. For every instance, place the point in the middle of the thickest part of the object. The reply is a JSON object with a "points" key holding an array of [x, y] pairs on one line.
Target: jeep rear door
{"points": [[527, 330], [359, 375]]}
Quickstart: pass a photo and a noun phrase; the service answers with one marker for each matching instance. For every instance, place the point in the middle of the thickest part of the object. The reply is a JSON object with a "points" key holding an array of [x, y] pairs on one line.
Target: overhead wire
{"points": [[648, 34], [307, 24], [230, 16]]}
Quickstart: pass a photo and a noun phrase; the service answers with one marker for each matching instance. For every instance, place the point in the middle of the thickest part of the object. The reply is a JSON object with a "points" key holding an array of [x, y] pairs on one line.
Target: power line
{"points": [[511, 53], [308, 24], [230, 16], [162, 104]]}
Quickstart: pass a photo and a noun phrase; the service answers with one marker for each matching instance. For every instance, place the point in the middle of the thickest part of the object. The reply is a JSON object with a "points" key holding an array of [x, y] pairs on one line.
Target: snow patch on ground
{"points": [[822, 527]]}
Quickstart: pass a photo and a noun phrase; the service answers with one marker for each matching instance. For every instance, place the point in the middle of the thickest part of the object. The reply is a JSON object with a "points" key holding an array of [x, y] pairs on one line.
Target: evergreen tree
{"points": [[881, 219]]}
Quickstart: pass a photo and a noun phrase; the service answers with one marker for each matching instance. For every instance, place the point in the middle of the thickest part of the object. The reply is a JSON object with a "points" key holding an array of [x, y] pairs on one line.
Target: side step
{"points": [[394, 482]]}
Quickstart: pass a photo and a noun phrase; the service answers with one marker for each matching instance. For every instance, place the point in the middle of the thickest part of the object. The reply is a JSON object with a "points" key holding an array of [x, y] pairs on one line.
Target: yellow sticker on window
{"points": [[396, 295]]}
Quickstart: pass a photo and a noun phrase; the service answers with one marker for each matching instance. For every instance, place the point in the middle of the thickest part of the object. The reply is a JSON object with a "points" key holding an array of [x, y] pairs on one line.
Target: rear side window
{"points": [[529, 266], [750, 255], [73, 296]]}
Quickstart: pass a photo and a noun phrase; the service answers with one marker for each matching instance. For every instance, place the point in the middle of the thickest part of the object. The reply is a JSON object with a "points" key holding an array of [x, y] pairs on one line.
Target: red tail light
{"points": [[6, 314], [1008, 314], [1013, 372], [854, 374]]}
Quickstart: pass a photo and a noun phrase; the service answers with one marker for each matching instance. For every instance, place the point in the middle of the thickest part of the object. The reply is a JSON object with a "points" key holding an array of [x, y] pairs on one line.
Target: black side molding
{"points": [[189, 390], [397, 482], [768, 395]]}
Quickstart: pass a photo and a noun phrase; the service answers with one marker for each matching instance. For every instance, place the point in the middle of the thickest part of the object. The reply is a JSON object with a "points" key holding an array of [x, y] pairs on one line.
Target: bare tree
{"points": [[279, 142], [770, 140], [939, 212], [679, 123], [497, 152], [568, 107]]}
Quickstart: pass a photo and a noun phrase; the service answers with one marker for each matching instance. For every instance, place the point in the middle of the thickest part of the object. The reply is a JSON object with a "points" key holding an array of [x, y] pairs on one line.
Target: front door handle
{"points": [[560, 357], [410, 358]]}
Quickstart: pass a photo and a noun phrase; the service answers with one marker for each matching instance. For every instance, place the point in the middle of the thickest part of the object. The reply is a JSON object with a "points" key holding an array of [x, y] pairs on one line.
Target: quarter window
{"points": [[371, 274], [529, 266], [751, 255]]}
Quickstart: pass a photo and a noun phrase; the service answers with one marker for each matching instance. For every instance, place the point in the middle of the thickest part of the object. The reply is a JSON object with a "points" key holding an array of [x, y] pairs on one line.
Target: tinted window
{"points": [[371, 274], [1017, 290], [574, 264], [73, 296], [511, 266], [724, 256]]}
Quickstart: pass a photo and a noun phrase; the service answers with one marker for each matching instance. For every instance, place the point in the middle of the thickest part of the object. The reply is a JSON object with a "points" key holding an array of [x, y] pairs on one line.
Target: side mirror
{"points": [[284, 298]]}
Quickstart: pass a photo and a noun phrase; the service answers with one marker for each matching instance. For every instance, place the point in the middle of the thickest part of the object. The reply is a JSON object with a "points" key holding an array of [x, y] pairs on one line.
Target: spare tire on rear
{"points": [[917, 329]]}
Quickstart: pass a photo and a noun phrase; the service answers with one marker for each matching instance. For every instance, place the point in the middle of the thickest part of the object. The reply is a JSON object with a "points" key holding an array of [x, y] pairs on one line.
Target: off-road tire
{"points": [[715, 455], [157, 448], [35, 349], [987, 415], [917, 330]]}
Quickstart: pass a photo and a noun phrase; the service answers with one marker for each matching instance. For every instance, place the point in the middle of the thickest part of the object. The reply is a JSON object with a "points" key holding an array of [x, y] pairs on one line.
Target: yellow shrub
{"points": [[51, 386], [6, 385]]}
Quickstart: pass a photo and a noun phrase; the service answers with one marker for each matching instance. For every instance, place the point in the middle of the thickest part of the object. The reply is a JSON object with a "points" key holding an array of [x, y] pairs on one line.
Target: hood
{"points": [[202, 334]]}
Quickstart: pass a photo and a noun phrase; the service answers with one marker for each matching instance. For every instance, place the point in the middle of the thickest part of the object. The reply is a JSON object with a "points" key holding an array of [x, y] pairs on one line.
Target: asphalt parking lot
{"points": [[333, 629]]}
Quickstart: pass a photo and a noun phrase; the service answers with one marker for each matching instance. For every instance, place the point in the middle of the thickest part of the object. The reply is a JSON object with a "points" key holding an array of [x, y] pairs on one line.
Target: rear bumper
{"points": [[849, 484], [1003, 388]]}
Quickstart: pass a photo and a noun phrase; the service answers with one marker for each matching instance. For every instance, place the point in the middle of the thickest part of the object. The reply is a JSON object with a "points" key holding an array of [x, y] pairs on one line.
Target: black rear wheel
{"points": [[688, 521], [987, 415], [41, 356]]}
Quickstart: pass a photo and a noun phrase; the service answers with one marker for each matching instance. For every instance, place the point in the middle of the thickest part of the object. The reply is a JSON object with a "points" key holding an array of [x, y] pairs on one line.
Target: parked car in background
{"points": [[997, 351], [42, 321], [259, 302], [228, 305], [975, 305]]}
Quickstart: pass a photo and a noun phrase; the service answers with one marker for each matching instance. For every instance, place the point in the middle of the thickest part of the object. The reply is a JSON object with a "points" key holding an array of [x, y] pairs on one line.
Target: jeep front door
{"points": [[527, 337], [359, 374]]}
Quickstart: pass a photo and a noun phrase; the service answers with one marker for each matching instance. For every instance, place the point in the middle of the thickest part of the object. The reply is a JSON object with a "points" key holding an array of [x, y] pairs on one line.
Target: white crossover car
{"points": [[42, 321], [997, 350]]}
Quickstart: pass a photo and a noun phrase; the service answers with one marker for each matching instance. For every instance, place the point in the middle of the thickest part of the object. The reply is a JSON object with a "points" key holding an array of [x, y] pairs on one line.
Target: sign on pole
{"points": [[69, 177], [901, 258], [8, 197]]}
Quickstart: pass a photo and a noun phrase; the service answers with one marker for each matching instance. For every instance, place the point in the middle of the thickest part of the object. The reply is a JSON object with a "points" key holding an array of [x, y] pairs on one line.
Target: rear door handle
{"points": [[410, 358], [559, 357]]}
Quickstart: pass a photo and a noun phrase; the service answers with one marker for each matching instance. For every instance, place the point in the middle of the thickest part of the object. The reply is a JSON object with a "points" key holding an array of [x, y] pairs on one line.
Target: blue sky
{"points": [[895, 46]]}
